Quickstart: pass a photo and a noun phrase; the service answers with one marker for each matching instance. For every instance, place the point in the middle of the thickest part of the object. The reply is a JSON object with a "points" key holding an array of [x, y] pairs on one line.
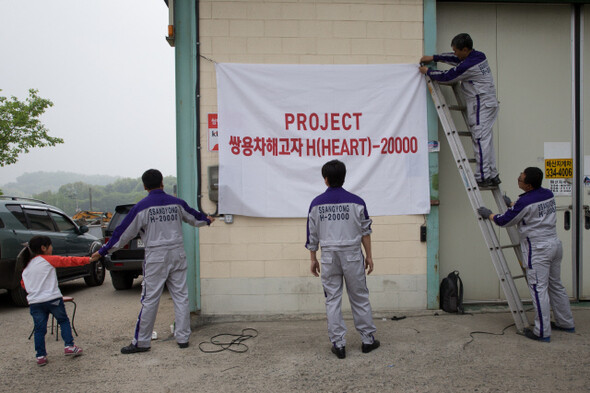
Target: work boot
{"points": [[496, 180], [530, 334], [366, 348], [183, 345], [485, 183], [133, 349], [340, 352], [554, 326]]}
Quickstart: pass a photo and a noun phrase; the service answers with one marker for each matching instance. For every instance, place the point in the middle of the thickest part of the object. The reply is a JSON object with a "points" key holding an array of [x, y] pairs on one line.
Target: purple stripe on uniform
{"points": [[529, 261], [481, 174], [478, 109], [136, 334], [530, 266], [539, 313], [143, 291]]}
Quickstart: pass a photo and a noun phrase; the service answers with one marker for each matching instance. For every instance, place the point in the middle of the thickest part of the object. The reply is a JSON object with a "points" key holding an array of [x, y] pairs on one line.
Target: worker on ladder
{"points": [[535, 214], [472, 69]]}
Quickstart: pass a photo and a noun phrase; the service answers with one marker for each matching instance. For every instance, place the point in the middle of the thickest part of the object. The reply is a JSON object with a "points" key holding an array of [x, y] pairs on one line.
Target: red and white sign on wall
{"points": [[213, 132]]}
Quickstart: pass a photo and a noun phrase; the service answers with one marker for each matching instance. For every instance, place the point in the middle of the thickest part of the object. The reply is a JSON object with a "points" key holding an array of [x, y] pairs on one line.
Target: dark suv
{"points": [[126, 263], [23, 218]]}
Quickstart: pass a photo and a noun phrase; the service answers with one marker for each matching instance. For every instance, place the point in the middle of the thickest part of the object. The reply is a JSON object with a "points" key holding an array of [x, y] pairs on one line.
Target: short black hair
{"points": [[533, 176], [461, 41], [335, 171], [37, 241], [34, 248], [152, 179]]}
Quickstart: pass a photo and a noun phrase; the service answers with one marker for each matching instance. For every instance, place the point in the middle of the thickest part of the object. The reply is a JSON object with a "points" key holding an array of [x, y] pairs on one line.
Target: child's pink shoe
{"points": [[73, 351], [41, 360]]}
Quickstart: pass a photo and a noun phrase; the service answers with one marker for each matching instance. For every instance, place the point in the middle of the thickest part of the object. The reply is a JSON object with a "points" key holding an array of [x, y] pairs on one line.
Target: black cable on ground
{"points": [[493, 334], [233, 342]]}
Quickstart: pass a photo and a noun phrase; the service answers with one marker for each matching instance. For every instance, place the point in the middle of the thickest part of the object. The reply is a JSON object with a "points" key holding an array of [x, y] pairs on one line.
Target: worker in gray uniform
{"points": [[535, 214], [477, 84], [158, 219], [339, 223]]}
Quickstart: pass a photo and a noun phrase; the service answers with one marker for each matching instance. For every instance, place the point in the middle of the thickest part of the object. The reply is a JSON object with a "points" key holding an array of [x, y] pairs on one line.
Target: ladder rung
{"points": [[488, 188], [510, 246], [457, 108], [471, 160], [517, 277], [464, 133]]}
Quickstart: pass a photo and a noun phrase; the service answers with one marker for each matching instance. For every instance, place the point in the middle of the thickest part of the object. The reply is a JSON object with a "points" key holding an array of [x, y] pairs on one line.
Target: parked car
{"points": [[23, 218], [125, 264]]}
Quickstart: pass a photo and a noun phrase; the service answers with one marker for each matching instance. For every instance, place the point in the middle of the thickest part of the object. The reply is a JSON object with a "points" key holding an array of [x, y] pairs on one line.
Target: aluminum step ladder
{"points": [[473, 192]]}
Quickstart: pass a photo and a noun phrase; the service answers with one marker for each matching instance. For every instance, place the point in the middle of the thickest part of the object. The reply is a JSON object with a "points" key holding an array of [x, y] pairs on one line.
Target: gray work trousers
{"points": [[350, 265], [163, 266], [481, 118], [544, 280]]}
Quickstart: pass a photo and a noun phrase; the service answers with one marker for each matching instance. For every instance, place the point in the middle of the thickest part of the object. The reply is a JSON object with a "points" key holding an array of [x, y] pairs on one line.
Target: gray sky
{"points": [[107, 68]]}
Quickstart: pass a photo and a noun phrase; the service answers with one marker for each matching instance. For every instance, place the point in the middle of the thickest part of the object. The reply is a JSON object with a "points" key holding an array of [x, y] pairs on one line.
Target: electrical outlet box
{"points": [[213, 188]]}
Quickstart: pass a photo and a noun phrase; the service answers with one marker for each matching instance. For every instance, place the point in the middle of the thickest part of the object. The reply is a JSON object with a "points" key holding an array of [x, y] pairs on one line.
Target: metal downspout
{"points": [[578, 212], [432, 225], [187, 166]]}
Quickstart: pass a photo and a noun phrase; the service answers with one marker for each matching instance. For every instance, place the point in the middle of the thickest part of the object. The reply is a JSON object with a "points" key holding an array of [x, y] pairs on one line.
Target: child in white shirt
{"points": [[39, 279]]}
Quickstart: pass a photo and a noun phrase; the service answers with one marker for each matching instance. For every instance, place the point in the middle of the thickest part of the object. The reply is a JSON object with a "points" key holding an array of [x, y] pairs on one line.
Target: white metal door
{"points": [[528, 48]]}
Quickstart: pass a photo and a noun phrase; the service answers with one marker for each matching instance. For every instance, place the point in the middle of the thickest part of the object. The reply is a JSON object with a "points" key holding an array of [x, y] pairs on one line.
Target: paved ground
{"points": [[421, 353]]}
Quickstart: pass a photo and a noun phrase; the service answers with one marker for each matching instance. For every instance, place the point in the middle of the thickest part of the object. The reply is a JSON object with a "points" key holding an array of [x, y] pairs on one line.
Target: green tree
{"points": [[75, 196], [125, 186], [20, 127]]}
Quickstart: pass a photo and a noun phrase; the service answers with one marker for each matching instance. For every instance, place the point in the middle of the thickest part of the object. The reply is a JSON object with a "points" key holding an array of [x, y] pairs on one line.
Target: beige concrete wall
{"points": [[260, 266]]}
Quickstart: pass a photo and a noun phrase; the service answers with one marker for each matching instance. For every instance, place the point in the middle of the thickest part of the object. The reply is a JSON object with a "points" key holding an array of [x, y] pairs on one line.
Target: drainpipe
{"points": [[187, 167], [577, 34], [432, 231]]}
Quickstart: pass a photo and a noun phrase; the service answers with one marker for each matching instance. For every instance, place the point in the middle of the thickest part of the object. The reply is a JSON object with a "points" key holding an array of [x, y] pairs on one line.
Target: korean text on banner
{"points": [[281, 123]]}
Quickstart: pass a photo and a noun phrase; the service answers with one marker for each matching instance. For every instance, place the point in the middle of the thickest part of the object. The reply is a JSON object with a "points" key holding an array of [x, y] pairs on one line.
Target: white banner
{"points": [[278, 124]]}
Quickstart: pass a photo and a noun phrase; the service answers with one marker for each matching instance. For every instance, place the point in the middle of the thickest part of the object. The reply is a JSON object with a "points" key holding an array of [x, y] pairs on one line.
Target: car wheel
{"points": [[122, 280], [97, 274], [19, 296]]}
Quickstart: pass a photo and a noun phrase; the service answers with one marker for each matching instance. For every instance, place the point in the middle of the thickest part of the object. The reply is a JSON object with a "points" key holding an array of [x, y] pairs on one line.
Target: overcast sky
{"points": [[107, 68]]}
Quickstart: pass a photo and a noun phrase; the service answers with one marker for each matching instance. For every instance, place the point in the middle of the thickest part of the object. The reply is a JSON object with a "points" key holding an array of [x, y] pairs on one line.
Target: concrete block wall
{"points": [[260, 266]]}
